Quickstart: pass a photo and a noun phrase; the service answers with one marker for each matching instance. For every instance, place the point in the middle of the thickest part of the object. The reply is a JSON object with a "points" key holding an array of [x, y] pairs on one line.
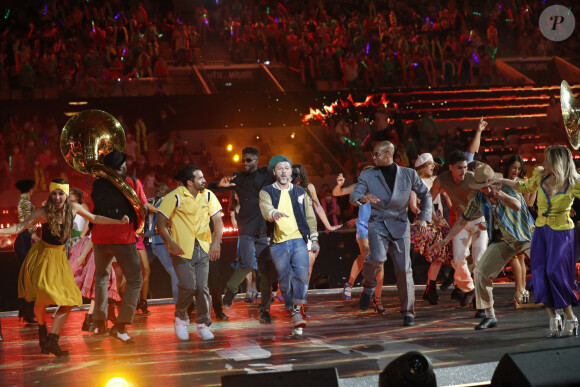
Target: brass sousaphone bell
{"points": [[85, 140], [570, 114]]}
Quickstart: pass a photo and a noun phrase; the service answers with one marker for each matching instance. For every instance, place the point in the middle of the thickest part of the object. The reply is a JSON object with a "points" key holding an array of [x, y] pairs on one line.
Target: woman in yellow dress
{"points": [[553, 250], [46, 276]]}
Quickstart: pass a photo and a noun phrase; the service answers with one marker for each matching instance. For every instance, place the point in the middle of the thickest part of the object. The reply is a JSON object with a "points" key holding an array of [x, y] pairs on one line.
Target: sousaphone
{"points": [[85, 140], [571, 114]]}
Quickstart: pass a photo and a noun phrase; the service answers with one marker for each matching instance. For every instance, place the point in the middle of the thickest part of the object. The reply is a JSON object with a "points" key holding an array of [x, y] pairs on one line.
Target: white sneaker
{"points": [[203, 332], [180, 327], [297, 331]]}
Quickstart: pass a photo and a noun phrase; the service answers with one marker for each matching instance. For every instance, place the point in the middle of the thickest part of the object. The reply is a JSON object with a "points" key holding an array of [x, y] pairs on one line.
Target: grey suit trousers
{"points": [[380, 242]]}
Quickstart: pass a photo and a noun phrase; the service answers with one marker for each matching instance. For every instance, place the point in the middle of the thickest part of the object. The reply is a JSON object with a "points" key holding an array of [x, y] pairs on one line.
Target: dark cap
{"points": [[115, 159], [278, 159]]}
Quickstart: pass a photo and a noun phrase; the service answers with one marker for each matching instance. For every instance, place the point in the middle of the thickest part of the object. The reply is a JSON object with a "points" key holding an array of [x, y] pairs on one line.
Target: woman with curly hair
{"points": [[46, 276]]}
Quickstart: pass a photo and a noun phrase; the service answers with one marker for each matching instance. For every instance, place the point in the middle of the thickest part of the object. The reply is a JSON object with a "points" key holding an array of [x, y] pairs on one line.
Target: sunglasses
{"points": [[247, 161]]}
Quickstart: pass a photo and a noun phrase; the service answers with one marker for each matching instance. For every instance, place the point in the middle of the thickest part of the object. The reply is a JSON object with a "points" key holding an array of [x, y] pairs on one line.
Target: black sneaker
{"points": [[265, 317], [100, 328], [457, 294], [365, 301], [468, 298], [228, 299], [409, 321], [221, 316], [487, 322], [480, 313], [143, 306]]}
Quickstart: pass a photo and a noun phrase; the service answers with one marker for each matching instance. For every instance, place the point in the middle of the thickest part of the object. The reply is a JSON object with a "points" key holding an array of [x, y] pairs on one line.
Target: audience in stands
{"points": [[90, 49]]}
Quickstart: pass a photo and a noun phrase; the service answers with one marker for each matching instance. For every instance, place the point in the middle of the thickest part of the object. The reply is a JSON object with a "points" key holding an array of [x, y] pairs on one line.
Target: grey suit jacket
{"points": [[392, 207]]}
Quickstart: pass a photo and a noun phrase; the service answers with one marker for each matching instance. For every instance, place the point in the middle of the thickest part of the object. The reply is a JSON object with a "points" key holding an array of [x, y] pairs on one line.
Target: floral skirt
{"points": [[431, 236]]}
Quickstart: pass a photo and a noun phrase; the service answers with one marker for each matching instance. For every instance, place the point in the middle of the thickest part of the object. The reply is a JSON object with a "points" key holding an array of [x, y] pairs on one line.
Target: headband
{"points": [[63, 187]]}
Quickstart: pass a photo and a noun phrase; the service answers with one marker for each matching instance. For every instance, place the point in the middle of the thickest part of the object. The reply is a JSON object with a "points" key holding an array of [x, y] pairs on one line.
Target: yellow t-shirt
{"points": [[190, 217], [286, 228]]}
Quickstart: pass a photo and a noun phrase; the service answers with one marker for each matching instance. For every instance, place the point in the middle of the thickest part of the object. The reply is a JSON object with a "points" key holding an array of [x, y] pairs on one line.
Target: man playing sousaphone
{"points": [[116, 241]]}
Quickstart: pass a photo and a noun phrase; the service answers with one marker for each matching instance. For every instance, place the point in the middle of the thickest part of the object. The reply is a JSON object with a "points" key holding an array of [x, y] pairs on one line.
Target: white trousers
{"points": [[472, 235]]}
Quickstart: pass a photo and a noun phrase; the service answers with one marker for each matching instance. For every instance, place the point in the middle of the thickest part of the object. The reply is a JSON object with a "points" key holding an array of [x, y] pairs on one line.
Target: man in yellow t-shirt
{"points": [[290, 209], [191, 245]]}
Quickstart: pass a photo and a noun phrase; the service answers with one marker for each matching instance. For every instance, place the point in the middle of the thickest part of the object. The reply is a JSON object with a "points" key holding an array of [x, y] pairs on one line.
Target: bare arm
{"points": [[413, 202], [507, 182], [311, 220], [38, 215], [97, 219], [509, 201], [473, 147], [319, 210], [85, 229], [436, 188], [339, 190], [459, 225], [233, 219], [216, 237], [162, 228], [447, 199], [83, 257], [530, 198], [150, 207]]}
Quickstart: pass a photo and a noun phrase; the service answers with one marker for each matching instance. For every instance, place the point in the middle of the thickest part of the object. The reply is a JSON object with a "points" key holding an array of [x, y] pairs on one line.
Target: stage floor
{"points": [[338, 335]]}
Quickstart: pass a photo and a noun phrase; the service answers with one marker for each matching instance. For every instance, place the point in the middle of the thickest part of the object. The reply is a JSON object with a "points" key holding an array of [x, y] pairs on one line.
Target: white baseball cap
{"points": [[422, 159]]}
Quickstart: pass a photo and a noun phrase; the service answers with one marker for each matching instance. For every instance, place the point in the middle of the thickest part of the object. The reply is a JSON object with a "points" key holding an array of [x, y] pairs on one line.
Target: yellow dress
{"points": [[46, 276]]}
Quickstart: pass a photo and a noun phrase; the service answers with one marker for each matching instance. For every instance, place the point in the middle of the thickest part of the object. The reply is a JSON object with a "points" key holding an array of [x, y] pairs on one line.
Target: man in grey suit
{"points": [[388, 188]]}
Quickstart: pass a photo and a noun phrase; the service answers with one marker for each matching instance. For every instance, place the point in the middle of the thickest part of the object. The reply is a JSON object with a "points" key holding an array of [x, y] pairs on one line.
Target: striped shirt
{"points": [[513, 225]]}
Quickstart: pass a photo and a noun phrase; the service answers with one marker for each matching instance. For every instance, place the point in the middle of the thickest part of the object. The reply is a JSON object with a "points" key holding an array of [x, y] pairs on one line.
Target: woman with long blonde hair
{"points": [[553, 248], [46, 276]]}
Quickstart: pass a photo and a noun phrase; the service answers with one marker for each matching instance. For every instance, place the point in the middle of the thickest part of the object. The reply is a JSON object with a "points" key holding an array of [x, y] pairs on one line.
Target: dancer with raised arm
{"points": [[46, 276], [362, 238], [455, 183]]}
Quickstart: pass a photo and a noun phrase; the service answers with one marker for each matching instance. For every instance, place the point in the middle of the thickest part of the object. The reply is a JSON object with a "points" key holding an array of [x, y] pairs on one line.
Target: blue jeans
{"points": [[292, 263], [160, 251]]}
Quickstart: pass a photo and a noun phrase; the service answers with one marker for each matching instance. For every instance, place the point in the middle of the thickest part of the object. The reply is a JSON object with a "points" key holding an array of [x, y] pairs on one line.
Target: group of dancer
{"points": [[278, 235], [487, 212]]}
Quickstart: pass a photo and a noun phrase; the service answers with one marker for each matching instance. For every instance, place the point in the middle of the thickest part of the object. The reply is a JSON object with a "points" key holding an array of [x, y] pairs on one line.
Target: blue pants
{"points": [[293, 264], [160, 251], [553, 259]]}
